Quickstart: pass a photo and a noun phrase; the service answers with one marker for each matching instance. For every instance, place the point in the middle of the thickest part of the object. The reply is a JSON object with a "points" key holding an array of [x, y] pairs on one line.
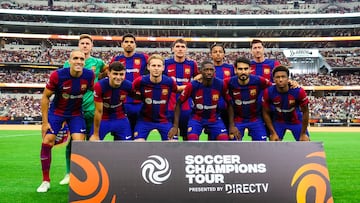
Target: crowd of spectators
{"points": [[200, 6], [19, 106], [326, 79]]}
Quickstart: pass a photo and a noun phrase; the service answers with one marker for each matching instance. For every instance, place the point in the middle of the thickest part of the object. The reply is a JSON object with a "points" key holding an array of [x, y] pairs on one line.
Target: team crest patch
{"points": [[122, 97], [253, 92], [267, 71], [187, 70], [291, 101], [165, 92], [137, 61], [93, 68], [83, 86], [215, 97], [227, 73]]}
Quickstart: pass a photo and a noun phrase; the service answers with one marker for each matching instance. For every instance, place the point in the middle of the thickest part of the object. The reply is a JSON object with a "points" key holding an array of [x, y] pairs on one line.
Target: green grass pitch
{"points": [[21, 171]]}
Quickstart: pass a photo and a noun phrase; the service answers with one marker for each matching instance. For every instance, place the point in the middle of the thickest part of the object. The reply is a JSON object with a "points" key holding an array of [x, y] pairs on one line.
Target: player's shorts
{"points": [[295, 129], [132, 109], [256, 130], [76, 124], [119, 128], [184, 119], [216, 128], [143, 128]]}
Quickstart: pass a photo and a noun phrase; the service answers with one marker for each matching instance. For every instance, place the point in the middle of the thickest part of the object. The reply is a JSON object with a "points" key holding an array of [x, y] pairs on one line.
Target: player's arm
{"points": [[233, 130], [45, 101], [305, 123], [103, 71], [266, 113], [97, 120], [174, 130]]}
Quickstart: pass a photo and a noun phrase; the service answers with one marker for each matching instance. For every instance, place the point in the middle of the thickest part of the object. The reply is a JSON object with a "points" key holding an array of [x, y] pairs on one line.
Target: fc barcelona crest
{"points": [[253, 92], [137, 61], [267, 71], [187, 70], [165, 92], [83, 87], [215, 97]]}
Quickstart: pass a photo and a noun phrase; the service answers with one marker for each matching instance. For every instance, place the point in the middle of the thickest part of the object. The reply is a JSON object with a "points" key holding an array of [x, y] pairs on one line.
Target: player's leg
{"points": [[142, 130], [241, 127], [164, 129], [280, 129], [194, 129], [296, 131], [45, 153], [123, 132], [218, 130], [257, 131], [183, 124], [132, 112]]}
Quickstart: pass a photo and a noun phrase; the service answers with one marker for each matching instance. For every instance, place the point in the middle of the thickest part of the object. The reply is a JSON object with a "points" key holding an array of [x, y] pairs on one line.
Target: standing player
{"points": [[260, 65], [155, 90], [183, 70], [244, 90], [98, 67], [222, 71], [206, 95], [135, 64], [109, 95], [69, 85], [285, 108]]}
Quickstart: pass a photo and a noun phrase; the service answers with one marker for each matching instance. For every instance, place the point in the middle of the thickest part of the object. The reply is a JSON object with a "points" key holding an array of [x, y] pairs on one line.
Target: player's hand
{"points": [[44, 128], [172, 132], [304, 137], [234, 133], [274, 137], [293, 84]]}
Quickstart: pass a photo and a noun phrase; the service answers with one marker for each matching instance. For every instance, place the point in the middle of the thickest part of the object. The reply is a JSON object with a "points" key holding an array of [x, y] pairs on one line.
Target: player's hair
{"points": [[202, 66], [281, 68], [255, 41], [85, 36], [128, 35], [217, 45], [182, 41], [116, 66], [241, 60], [155, 56]]}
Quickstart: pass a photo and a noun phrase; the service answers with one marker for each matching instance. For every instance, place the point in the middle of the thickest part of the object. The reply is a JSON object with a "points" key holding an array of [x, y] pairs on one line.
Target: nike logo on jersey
{"points": [[82, 130], [169, 71], [198, 97], [236, 93], [146, 91], [223, 130], [65, 88]]}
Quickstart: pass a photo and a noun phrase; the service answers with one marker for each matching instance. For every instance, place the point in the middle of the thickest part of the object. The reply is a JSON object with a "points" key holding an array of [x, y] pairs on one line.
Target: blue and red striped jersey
{"points": [[285, 106], [182, 73], [69, 91], [135, 67], [264, 69], [205, 99], [245, 98], [155, 97], [112, 98], [224, 71]]}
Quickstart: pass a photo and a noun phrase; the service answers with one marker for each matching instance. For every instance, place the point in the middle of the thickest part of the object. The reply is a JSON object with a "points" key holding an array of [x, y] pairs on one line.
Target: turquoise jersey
{"points": [[96, 65]]}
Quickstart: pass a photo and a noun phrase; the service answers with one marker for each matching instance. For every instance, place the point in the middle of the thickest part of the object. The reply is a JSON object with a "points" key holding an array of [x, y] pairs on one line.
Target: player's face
{"points": [[116, 77], [179, 50], [242, 70], [257, 50], [281, 79], [128, 44], [208, 71], [217, 54], [85, 45], [156, 67], [77, 60]]}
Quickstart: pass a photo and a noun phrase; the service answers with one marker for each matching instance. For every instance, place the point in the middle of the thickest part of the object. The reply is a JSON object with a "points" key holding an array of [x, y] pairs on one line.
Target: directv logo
{"points": [[155, 170]]}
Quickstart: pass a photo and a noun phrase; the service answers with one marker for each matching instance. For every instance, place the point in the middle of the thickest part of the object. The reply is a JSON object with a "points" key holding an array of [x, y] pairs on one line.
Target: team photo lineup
{"points": [[136, 94]]}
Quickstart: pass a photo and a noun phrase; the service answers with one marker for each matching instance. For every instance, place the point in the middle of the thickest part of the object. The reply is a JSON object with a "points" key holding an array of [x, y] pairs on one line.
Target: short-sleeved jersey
{"points": [[182, 73], [135, 67], [69, 91], [264, 69], [224, 71], [285, 106], [245, 97], [155, 97], [112, 98], [96, 65], [205, 99]]}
